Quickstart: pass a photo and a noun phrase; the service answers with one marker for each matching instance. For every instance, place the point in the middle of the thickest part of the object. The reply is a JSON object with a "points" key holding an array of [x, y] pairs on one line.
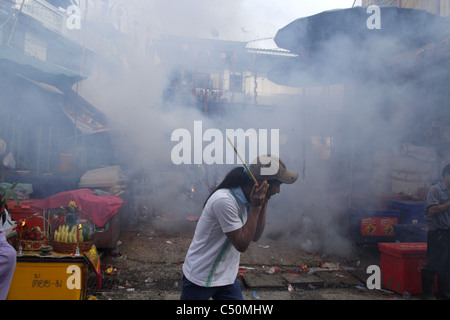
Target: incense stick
{"points": [[242, 160]]}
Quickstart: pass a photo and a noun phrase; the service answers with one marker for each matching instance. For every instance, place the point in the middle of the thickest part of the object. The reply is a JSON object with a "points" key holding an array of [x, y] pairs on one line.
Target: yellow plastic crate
{"points": [[49, 279]]}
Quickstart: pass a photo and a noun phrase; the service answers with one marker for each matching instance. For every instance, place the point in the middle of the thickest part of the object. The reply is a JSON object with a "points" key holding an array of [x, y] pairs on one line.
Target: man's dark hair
{"points": [[446, 170], [237, 177]]}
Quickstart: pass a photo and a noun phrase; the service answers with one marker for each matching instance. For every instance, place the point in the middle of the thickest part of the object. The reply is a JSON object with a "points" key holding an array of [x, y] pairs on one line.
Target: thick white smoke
{"points": [[312, 211]]}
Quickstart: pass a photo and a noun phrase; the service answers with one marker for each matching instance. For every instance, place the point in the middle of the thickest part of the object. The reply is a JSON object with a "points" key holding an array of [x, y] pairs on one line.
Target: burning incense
{"points": [[242, 160], [21, 229]]}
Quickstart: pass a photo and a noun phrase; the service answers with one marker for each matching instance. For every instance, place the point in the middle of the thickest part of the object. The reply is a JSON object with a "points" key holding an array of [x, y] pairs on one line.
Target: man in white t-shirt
{"points": [[234, 215]]}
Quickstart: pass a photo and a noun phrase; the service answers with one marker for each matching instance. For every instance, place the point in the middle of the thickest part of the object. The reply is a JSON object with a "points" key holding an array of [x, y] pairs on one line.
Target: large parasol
{"points": [[337, 46]]}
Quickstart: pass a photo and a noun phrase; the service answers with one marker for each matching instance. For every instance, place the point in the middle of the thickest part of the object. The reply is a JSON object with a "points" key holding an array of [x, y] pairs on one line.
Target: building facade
{"points": [[438, 7], [44, 53]]}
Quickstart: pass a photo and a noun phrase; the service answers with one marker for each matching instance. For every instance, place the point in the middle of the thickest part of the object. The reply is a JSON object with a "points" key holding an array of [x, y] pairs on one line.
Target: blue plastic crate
{"points": [[410, 209], [416, 232]]}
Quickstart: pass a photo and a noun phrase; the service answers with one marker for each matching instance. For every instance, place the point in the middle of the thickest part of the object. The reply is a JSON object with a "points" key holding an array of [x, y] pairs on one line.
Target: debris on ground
{"points": [[147, 265]]}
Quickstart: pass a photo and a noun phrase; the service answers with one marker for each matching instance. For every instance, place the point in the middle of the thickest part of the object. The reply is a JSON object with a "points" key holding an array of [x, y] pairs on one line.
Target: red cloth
{"points": [[99, 209]]}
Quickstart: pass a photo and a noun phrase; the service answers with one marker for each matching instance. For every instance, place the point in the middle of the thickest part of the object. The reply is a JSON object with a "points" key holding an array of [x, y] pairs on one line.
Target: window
{"points": [[236, 83]]}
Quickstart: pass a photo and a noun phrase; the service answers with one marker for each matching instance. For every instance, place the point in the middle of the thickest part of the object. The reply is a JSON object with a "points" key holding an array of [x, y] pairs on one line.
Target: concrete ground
{"points": [[147, 265]]}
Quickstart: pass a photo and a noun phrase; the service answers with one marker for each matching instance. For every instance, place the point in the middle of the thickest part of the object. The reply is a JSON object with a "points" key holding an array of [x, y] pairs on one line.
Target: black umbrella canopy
{"points": [[337, 46], [412, 28]]}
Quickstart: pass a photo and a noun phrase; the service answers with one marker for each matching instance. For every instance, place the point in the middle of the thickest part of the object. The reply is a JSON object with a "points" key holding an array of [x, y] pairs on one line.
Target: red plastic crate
{"points": [[401, 266], [21, 212]]}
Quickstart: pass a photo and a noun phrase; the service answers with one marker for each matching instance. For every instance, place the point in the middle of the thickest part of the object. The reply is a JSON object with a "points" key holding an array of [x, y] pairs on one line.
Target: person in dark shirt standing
{"points": [[437, 214]]}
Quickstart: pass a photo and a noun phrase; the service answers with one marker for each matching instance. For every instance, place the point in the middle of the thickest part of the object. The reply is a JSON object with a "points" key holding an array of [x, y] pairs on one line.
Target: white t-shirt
{"points": [[211, 259]]}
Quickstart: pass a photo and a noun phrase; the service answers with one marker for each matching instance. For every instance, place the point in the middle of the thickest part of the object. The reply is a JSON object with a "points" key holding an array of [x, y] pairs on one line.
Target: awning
{"points": [[407, 28], [48, 99], [16, 62], [84, 116], [338, 47]]}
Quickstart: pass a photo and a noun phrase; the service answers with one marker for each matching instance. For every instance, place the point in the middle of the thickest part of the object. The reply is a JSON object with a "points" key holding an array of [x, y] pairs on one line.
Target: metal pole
{"points": [[15, 23]]}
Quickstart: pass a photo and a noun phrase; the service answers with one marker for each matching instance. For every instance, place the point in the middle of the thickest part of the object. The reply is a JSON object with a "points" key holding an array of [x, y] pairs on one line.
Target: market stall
{"points": [[54, 252], [101, 210], [51, 275]]}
